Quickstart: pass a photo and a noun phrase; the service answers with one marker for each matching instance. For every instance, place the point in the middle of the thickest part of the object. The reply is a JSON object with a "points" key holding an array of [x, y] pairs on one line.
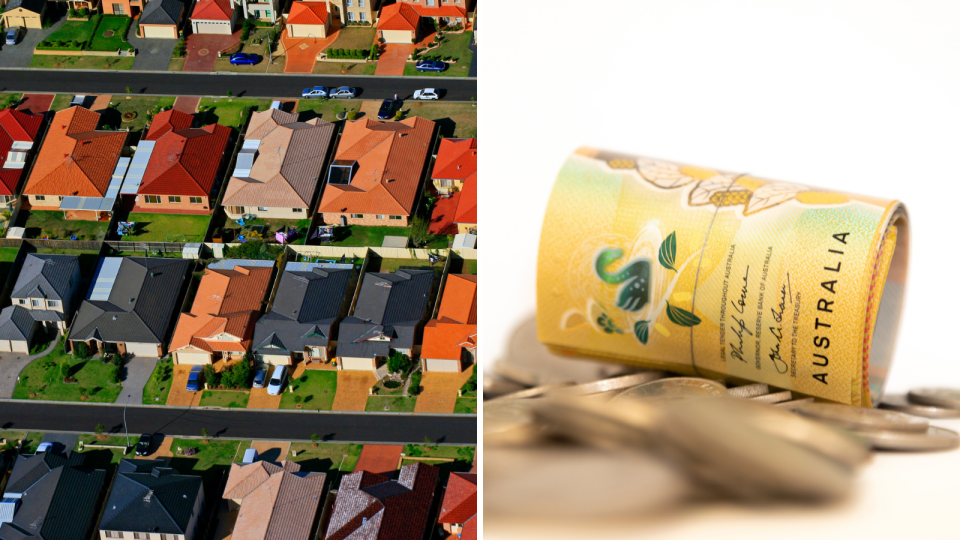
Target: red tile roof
{"points": [[390, 157], [455, 327], [398, 17], [76, 158], [460, 500], [308, 13], [213, 10], [185, 161], [456, 159], [15, 126], [441, 11], [166, 121], [467, 204]]}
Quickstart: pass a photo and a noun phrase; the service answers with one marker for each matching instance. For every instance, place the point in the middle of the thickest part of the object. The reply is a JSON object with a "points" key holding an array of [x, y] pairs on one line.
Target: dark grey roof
{"points": [[145, 502], [141, 465], [63, 443], [389, 305], [306, 306], [28, 469], [16, 323], [47, 276], [162, 12], [141, 304], [35, 6]]}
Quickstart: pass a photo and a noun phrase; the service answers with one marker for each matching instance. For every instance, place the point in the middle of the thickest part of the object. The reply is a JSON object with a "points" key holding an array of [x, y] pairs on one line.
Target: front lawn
{"points": [[61, 102], [345, 67], [138, 107], [7, 258], [30, 440], [81, 62], [41, 379], [157, 389], [456, 120], [316, 389], [111, 34], [460, 453], [224, 398], [233, 112], [263, 66], [453, 46], [391, 404], [168, 227], [75, 32], [360, 236], [466, 406], [325, 457], [326, 109], [211, 462], [355, 37], [9, 100], [53, 225]]}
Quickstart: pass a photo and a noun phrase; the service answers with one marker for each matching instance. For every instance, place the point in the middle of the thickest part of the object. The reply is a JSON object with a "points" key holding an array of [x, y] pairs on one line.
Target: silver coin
{"points": [[793, 404], [509, 422], [628, 425], [863, 418], [938, 397], [776, 397], [674, 388], [534, 392], [613, 384], [749, 391], [900, 402], [494, 385], [933, 439]]}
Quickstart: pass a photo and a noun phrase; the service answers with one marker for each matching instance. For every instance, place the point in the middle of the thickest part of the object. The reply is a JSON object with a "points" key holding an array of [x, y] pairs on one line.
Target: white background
{"points": [[848, 95]]}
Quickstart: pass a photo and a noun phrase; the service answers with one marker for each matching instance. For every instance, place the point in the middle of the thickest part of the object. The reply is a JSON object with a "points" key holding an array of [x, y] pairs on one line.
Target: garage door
{"points": [[357, 364], [449, 366], [273, 359], [148, 350], [19, 346], [159, 32], [4, 345], [212, 27], [307, 30], [192, 358], [397, 36]]}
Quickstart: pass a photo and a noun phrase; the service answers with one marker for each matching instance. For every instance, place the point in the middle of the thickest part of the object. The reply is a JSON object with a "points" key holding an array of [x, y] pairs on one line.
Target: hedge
{"points": [[354, 54]]}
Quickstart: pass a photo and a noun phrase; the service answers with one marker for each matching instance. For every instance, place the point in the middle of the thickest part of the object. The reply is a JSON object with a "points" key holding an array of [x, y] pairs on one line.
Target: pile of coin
{"points": [[570, 437]]}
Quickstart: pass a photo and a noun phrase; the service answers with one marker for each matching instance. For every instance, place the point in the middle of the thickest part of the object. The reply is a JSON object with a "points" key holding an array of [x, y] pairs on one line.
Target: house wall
{"points": [[44, 202], [124, 7], [455, 185], [259, 9], [192, 525], [369, 9], [330, 218], [271, 212], [464, 228], [167, 206], [23, 17]]}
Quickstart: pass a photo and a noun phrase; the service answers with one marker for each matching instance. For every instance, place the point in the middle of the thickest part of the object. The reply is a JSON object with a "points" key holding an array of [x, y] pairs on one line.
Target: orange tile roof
{"points": [[460, 499], [456, 159], [75, 158], [459, 303], [390, 157], [213, 10], [308, 13], [398, 17], [455, 327], [185, 162], [467, 202], [440, 11]]}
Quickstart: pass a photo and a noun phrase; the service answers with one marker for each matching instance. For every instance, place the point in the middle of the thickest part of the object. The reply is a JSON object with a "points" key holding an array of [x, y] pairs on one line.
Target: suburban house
{"points": [[450, 340], [399, 23], [354, 11], [276, 500], [443, 12], [455, 164], [214, 17], [130, 8], [277, 174], [458, 509], [375, 176], [308, 19], [131, 305], [302, 325], [151, 499], [47, 287], [17, 329], [175, 167], [388, 317], [220, 323], [266, 10], [25, 13], [373, 506], [18, 134], [51, 495], [466, 214], [79, 168], [162, 19]]}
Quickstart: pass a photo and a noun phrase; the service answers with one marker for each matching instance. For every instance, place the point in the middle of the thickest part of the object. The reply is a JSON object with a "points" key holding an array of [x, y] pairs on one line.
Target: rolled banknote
{"points": [[722, 275]]}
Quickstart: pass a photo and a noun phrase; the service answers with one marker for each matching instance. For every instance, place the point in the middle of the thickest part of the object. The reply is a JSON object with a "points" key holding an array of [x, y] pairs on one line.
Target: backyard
{"points": [[463, 266], [392, 265], [359, 236], [7, 257], [326, 109], [167, 227], [233, 112], [455, 120], [270, 227], [224, 398], [51, 224], [316, 389], [131, 111], [158, 386], [42, 379], [454, 46]]}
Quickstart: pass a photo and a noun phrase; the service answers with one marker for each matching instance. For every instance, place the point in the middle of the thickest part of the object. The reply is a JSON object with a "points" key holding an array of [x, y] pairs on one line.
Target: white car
{"points": [[426, 93], [276, 380], [344, 92]]}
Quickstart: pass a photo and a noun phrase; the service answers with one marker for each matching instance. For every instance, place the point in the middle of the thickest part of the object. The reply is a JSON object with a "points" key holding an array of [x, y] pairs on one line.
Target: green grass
{"points": [[7, 99], [359, 236], [106, 458], [454, 46], [81, 31], [391, 404], [168, 227], [325, 108], [81, 62], [345, 67], [464, 453], [138, 104], [355, 37], [157, 389], [463, 266], [7, 258], [317, 389], [31, 440], [325, 457], [60, 102], [119, 25], [176, 64], [233, 112], [224, 398], [212, 461], [52, 224], [41, 379], [456, 120], [466, 406], [392, 265]]}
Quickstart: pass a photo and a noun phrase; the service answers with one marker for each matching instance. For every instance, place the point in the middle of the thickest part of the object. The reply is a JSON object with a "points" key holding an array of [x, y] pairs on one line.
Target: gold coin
{"points": [[674, 388]]}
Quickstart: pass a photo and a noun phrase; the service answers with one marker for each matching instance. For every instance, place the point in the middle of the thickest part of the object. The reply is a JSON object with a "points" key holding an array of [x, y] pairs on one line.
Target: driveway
{"points": [[394, 59], [302, 52], [272, 451], [11, 364], [19, 55], [379, 458], [35, 103], [187, 104], [473, 61], [178, 389], [152, 54], [440, 391], [353, 387], [62, 442], [260, 399], [202, 50], [137, 373]]}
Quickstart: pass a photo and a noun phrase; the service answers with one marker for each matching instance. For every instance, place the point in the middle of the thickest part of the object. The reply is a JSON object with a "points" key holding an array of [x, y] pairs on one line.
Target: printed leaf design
{"points": [[703, 194], [663, 175], [642, 330], [634, 293], [772, 194], [681, 316], [668, 251]]}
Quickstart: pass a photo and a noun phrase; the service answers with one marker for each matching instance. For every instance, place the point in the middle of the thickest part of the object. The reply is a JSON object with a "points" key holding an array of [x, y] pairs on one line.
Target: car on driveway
{"points": [[426, 93], [387, 109], [430, 65], [143, 445], [244, 59], [344, 92], [193, 382], [315, 92], [12, 35], [44, 447], [259, 378], [276, 380]]}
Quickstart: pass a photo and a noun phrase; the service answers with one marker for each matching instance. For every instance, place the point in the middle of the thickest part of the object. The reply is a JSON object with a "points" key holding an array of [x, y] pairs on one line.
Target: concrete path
{"points": [[302, 52], [152, 54], [379, 458], [11, 364], [19, 55], [138, 371], [353, 387], [36, 103]]}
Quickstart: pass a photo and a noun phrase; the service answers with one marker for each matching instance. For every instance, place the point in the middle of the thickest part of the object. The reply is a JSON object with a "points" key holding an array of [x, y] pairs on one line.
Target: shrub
{"points": [[398, 362], [81, 350], [189, 451], [298, 399], [352, 115], [113, 375], [72, 13], [415, 382], [84, 12], [98, 429], [391, 384], [210, 375]]}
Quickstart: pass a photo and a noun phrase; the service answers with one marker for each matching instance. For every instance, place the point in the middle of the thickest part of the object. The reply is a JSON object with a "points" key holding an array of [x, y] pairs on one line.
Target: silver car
{"points": [[276, 380], [344, 92], [426, 93], [11, 35]]}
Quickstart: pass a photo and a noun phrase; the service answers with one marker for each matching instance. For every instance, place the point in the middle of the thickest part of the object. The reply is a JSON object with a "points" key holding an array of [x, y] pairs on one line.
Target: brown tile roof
{"points": [[390, 157], [75, 158], [263, 122], [460, 499], [217, 10], [167, 121], [278, 502]]}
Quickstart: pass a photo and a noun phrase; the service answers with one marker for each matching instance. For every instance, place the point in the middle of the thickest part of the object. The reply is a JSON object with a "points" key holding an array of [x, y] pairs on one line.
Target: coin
{"points": [[509, 422], [494, 385], [674, 388], [749, 391], [938, 397], [933, 439], [863, 418], [900, 402], [534, 392], [793, 404], [630, 424], [775, 397], [613, 384]]}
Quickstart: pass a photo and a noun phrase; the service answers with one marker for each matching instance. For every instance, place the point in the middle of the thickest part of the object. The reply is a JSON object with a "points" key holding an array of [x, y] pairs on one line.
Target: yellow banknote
{"points": [[722, 275]]}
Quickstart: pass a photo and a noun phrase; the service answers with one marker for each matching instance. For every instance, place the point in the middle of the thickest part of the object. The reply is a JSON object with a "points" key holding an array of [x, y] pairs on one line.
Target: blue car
{"points": [[244, 59], [430, 65], [193, 382], [315, 92]]}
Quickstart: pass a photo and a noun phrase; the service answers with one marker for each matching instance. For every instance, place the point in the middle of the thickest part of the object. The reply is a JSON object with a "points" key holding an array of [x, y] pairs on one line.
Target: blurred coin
{"points": [[863, 418], [508, 422], [615, 383], [938, 397], [899, 402], [627, 425], [534, 392], [674, 388], [775, 397], [495, 385], [793, 404], [933, 439], [749, 391]]}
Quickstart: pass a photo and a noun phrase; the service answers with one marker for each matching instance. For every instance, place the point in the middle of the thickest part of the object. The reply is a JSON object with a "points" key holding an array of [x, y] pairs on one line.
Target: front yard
{"points": [[111, 34], [224, 398], [42, 379], [8, 100], [232, 112], [136, 108], [359, 236], [315, 388], [466, 406], [52, 224], [211, 462], [81, 62], [355, 37], [167, 227], [391, 404], [325, 457], [326, 109], [157, 389], [453, 46], [456, 120]]}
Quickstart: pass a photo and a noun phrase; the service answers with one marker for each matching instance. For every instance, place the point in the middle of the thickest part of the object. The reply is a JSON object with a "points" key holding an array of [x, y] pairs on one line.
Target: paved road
{"points": [[241, 424], [177, 83]]}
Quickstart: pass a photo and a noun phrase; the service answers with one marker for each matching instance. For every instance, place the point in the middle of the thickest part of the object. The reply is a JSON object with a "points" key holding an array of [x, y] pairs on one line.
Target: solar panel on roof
{"points": [[106, 275], [243, 166], [8, 507], [250, 145]]}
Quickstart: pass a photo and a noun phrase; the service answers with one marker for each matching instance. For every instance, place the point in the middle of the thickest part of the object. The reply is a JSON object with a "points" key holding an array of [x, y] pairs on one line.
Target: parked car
{"points": [[426, 93], [387, 109], [250, 455], [430, 65], [143, 445], [12, 35], [44, 447], [276, 380], [193, 382], [344, 92], [259, 378], [315, 92], [244, 59]]}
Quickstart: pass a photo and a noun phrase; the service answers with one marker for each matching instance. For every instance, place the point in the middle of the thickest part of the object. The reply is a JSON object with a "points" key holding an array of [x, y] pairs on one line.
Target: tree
{"points": [[98, 429], [420, 231], [113, 375], [229, 93], [398, 362], [210, 375], [129, 90], [415, 383], [204, 433], [65, 369], [314, 438], [81, 350]]}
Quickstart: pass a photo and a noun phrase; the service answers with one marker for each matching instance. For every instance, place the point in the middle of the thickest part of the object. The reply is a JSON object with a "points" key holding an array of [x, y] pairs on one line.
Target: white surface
{"points": [[855, 96]]}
